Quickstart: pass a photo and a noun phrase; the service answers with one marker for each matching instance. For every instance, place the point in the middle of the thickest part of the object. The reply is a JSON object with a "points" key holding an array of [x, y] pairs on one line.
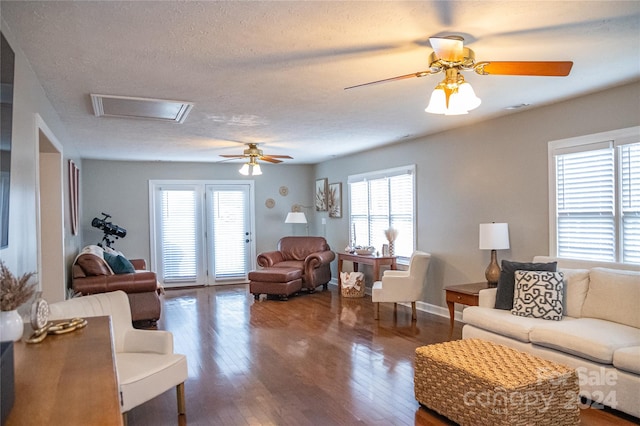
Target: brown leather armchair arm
{"points": [[315, 261], [138, 282], [270, 258]]}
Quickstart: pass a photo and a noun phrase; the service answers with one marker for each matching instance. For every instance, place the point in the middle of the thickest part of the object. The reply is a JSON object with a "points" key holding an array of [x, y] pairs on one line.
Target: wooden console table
{"points": [[464, 294], [375, 261], [69, 379]]}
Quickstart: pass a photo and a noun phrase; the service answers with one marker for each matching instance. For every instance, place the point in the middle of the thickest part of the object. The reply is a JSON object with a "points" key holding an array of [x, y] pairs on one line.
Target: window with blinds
{"points": [[178, 234], [228, 221], [201, 231], [596, 198], [380, 200]]}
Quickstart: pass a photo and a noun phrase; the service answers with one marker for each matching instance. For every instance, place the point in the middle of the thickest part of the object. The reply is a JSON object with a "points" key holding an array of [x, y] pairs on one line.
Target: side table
{"points": [[464, 294]]}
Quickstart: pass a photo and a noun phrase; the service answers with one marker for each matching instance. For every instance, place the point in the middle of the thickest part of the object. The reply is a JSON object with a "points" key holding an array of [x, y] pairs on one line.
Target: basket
{"points": [[356, 290]]}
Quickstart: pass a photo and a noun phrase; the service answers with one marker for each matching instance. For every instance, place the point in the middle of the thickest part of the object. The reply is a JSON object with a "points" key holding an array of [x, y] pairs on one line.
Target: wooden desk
{"points": [[69, 379], [465, 294], [375, 261]]}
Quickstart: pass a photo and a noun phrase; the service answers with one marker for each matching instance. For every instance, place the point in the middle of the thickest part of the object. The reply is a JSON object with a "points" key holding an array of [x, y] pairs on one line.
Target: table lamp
{"points": [[493, 236]]}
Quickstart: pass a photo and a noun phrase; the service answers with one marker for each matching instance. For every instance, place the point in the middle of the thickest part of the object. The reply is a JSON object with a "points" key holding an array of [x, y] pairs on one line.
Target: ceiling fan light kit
{"points": [[251, 167], [254, 154], [454, 96]]}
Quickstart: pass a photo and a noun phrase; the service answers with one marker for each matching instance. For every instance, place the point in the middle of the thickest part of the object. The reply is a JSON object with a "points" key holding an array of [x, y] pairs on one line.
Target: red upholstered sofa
{"points": [[91, 274], [310, 254]]}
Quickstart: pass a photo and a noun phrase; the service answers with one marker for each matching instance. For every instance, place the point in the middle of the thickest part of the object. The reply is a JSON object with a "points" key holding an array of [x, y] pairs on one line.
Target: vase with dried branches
{"points": [[391, 235], [14, 291]]}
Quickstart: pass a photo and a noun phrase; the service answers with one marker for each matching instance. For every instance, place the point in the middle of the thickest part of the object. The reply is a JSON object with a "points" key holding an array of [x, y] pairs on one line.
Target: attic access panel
{"points": [[141, 108]]}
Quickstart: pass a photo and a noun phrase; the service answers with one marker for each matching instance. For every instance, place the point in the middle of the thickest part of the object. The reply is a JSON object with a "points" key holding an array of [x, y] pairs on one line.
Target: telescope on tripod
{"points": [[111, 232]]}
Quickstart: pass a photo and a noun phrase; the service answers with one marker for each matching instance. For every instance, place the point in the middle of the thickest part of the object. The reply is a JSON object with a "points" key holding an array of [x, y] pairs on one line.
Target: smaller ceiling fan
{"points": [[253, 153], [453, 95]]}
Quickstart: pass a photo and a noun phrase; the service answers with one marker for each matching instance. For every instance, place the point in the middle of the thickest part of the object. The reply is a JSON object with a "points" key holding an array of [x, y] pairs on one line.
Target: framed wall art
{"points": [[74, 187], [335, 199], [321, 195]]}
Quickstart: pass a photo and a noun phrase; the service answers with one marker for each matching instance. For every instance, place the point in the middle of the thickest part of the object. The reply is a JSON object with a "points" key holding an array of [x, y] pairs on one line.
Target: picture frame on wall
{"points": [[321, 195], [74, 193], [335, 199]]}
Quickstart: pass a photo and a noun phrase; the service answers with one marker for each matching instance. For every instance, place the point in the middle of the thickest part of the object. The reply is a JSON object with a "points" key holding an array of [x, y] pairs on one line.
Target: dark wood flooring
{"points": [[316, 359]]}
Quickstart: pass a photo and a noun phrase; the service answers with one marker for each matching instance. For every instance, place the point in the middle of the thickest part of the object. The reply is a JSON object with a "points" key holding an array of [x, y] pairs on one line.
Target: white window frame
{"points": [[614, 138], [410, 170]]}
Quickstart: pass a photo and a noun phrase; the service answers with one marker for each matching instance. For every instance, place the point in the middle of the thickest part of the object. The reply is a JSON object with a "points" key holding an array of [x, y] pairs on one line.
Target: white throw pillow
{"points": [[538, 294]]}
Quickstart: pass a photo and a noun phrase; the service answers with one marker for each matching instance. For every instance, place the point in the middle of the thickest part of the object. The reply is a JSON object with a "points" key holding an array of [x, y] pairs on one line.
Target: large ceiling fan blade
{"points": [[542, 68], [270, 159], [386, 80], [232, 156], [279, 156], [450, 49]]}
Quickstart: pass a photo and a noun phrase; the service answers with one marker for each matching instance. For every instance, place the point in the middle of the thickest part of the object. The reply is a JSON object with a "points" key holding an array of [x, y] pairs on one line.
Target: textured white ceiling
{"points": [[273, 72]]}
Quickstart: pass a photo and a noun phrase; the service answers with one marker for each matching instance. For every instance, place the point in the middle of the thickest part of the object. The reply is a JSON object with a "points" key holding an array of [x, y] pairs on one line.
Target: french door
{"points": [[202, 232]]}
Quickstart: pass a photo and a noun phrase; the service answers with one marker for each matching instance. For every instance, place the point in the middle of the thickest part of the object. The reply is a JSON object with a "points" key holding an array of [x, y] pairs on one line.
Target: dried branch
{"points": [[14, 291]]}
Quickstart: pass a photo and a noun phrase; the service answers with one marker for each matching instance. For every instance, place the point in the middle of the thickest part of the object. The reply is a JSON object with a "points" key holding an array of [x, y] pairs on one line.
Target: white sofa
{"points": [[599, 333]]}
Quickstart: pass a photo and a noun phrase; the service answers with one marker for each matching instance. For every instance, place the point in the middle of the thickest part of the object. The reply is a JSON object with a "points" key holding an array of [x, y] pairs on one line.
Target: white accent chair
{"points": [[402, 286], [145, 363]]}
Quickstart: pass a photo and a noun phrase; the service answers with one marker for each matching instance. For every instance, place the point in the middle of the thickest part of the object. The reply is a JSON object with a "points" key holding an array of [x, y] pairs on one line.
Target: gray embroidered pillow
{"points": [[538, 294]]}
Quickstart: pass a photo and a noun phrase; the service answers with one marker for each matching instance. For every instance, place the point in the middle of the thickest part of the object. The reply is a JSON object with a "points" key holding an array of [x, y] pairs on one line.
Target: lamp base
{"points": [[492, 273]]}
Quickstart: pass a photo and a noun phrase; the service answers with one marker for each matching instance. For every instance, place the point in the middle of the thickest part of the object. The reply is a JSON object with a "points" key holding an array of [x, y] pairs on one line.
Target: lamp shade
{"points": [[257, 171], [494, 236], [295, 217], [244, 170]]}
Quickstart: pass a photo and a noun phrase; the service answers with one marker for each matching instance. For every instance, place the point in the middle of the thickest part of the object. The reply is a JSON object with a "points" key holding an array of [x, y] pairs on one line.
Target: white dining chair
{"points": [[402, 286]]}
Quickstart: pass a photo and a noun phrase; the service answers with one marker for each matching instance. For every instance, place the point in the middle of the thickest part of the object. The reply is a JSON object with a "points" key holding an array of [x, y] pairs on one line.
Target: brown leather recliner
{"points": [[90, 275], [310, 254]]}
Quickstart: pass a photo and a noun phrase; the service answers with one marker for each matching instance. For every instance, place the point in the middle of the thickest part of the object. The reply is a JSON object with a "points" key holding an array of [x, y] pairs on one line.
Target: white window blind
{"points": [[228, 217], [178, 235], [380, 200], [630, 206], [585, 202], [596, 197]]}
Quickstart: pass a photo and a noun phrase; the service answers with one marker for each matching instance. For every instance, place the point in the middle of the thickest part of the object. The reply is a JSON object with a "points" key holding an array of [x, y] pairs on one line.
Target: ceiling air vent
{"points": [[144, 108]]}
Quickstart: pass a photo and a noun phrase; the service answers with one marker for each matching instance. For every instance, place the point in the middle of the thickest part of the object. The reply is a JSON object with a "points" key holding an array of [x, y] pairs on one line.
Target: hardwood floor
{"points": [[316, 359]]}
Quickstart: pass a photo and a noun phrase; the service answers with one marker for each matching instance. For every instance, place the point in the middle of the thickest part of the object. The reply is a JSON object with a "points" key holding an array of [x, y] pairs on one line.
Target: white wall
{"points": [[29, 99], [491, 171], [121, 188]]}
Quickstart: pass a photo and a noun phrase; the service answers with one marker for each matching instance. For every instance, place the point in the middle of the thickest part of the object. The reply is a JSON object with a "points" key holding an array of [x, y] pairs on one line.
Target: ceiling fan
{"points": [[453, 95], [253, 153]]}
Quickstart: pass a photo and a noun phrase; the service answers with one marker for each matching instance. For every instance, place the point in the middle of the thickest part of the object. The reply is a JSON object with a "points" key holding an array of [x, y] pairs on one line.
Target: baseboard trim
{"points": [[420, 306]]}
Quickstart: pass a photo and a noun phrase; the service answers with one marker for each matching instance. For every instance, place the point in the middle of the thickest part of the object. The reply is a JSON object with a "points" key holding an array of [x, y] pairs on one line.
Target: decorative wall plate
{"points": [[284, 191], [270, 203]]}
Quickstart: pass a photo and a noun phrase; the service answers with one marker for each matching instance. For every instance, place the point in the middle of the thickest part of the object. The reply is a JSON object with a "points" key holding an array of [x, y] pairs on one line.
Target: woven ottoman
{"points": [[282, 282], [475, 382]]}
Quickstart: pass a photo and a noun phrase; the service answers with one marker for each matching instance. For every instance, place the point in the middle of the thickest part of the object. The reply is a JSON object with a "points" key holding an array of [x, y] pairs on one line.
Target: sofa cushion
{"points": [[613, 295], [538, 294], [119, 264], [627, 359], [502, 322], [506, 283], [576, 285], [589, 338]]}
